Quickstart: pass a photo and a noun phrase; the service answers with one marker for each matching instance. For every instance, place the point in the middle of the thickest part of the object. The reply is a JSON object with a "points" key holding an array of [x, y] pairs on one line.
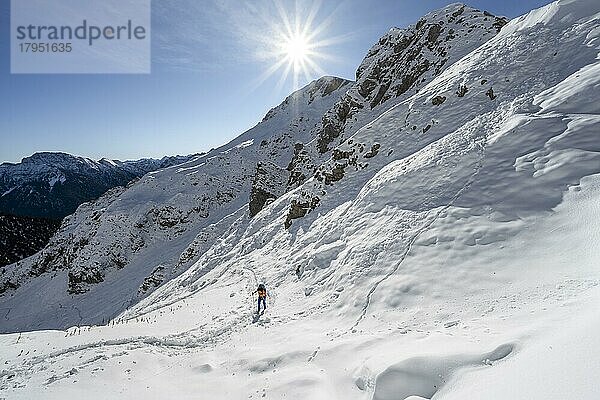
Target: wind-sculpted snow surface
{"points": [[424, 376], [436, 232]]}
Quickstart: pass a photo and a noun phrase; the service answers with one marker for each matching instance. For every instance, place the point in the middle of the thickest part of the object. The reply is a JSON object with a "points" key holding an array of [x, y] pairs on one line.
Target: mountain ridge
{"points": [[53, 184], [397, 66]]}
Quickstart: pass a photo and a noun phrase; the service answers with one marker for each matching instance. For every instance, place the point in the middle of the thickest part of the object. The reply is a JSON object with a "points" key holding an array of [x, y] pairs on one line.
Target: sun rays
{"points": [[296, 43]]}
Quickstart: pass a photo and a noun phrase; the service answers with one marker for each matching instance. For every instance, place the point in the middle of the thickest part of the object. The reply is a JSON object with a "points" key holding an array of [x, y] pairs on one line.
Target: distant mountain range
{"points": [[53, 185], [37, 193]]}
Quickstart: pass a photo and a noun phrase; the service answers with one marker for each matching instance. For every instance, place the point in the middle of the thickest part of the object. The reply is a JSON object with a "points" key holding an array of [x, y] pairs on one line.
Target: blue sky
{"points": [[206, 86]]}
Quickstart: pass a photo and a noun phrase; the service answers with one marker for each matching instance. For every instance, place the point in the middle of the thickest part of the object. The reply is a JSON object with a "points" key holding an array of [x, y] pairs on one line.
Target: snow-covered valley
{"points": [[442, 244]]}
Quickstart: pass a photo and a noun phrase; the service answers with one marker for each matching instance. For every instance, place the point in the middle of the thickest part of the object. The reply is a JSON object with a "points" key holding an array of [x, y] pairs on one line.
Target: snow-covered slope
{"points": [[450, 250], [129, 241]]}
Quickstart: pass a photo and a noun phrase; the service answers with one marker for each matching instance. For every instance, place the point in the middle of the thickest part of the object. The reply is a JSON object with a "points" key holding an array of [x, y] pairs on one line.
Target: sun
{"points": [[295, 42], [297, 49]]}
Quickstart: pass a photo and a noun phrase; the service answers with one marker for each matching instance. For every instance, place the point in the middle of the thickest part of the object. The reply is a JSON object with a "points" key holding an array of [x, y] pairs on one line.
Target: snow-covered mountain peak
{"points": [[402, 57], [306, 102], [396, 67], [321, 87], [51, 159], [48, 157]]}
